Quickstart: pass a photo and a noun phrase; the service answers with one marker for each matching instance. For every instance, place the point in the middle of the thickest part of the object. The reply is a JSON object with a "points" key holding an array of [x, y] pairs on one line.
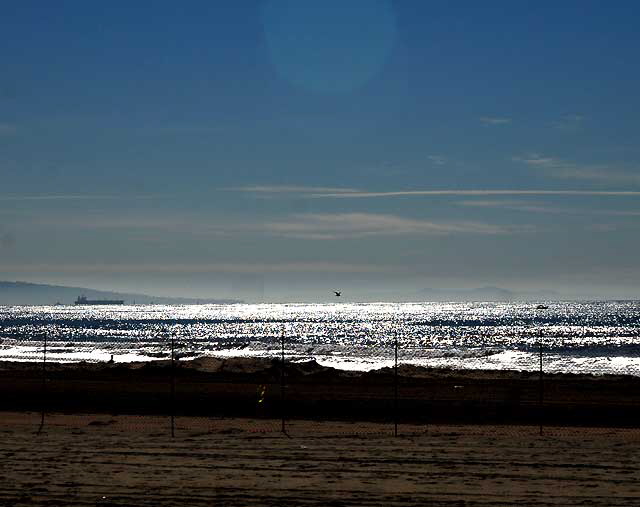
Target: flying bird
{"points": [[337, 293]]}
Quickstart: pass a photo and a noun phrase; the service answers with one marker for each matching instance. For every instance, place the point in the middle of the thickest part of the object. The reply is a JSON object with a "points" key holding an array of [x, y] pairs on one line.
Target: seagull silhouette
{"points": [[337, 293]]}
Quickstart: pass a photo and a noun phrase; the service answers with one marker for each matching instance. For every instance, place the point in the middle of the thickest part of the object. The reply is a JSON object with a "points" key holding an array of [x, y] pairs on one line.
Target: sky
{"points": [[276, 150]]}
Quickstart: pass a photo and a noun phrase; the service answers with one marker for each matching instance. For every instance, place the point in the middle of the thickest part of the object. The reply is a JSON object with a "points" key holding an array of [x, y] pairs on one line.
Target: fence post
{"points": [[173, 385], [282, 397], [44, 383], [395, 389], [540, 401]]}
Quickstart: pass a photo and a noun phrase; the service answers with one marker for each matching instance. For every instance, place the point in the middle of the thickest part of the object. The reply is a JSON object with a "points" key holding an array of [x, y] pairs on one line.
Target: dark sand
{"points": [[465, 437], [233, 388], [105, 460]]}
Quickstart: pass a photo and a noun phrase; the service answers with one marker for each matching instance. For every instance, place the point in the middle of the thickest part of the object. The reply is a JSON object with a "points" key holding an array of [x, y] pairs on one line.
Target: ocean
{"points": [[580, 337]]}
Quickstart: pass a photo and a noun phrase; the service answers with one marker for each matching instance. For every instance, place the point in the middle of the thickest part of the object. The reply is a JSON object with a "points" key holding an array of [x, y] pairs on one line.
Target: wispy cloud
{"points": [[559, 168], [602, 227], [72, 197], [479, 192], [306, 226], [488, 203], [516, 206], [543, 208], [568, 122], [178, 129], [332, 226], [195, 267], [288, 189], [495, 120], [350, 193], [620, 213], [110, 221], [437, 159]]}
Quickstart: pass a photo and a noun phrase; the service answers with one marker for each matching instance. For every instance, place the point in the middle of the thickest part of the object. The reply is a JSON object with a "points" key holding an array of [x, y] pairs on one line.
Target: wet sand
{"points": [[97, 459]]}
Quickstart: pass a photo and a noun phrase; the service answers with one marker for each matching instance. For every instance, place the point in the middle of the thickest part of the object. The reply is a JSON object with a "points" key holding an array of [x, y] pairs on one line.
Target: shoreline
{"points": [[602, 365], [252, 387]]}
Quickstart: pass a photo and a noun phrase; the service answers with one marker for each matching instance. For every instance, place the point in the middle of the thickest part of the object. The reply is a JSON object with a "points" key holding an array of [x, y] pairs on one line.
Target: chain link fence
{"points": [[410, 393]]}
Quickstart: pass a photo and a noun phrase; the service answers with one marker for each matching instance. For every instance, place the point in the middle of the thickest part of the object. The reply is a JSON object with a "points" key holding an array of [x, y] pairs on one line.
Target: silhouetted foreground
{"points": [[244, 387]]}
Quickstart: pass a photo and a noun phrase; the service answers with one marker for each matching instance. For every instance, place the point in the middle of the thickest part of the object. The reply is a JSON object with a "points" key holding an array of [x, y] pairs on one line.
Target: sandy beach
{"points": [[108, 460], [464, 437]]}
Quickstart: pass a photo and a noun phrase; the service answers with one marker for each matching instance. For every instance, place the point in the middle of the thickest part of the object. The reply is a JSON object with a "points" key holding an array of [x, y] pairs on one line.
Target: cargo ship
{"points": [[82, 300]]}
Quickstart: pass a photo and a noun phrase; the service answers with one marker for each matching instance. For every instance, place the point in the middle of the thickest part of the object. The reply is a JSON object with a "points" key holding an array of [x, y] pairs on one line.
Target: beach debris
{"points": [[458, 387]]}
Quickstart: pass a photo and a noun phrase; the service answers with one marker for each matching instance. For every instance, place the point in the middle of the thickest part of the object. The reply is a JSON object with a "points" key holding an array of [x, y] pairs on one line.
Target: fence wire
{"points": [[408, 389]]}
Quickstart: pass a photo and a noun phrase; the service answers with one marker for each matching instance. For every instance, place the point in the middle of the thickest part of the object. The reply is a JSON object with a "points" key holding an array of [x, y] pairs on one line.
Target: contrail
{"points": [[414, 193]]}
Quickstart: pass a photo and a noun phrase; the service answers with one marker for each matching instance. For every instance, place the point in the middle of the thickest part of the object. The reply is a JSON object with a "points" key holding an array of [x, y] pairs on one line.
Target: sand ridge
{"points": [[260, 387]]}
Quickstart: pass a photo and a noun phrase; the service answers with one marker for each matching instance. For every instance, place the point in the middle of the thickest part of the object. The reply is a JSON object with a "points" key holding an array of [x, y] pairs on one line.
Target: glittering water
{"points": [[596, 337]]}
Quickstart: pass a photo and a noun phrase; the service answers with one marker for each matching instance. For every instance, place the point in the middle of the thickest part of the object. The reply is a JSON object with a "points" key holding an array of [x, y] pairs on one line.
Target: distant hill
{"points": [[485, 294], [22, 293]]}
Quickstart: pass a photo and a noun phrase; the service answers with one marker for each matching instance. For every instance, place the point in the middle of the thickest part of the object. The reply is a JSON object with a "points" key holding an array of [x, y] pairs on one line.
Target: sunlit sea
{"points": [[586, 337]]}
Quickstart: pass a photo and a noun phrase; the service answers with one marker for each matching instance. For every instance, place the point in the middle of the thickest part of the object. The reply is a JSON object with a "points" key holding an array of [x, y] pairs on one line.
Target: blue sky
{"points": [[277, 149]]}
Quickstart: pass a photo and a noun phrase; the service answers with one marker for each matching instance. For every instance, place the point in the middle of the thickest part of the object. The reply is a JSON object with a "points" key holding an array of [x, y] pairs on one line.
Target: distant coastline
{"points": [[486, 294], [25, 293]]}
